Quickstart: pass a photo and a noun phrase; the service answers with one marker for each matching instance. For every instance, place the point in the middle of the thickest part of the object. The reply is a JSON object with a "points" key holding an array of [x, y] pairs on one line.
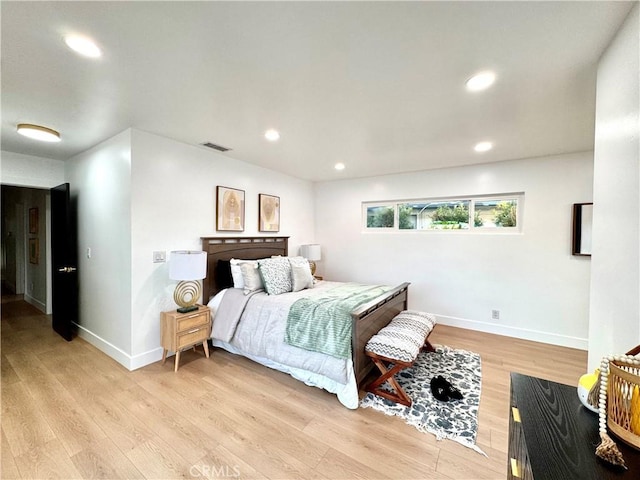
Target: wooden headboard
{"points": [[246, 248]]}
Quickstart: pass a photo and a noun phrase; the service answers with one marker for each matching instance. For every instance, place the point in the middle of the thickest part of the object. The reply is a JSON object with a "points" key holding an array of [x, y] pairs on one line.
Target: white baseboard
{"points": [[516, 332], [140, 360], [36, 303], [123, 358], [146, 358]]}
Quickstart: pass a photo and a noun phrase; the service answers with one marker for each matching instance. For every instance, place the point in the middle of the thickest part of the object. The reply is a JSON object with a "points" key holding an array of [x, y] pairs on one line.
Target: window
{"points": [[495, 213], [380, 216], [437, 215]]}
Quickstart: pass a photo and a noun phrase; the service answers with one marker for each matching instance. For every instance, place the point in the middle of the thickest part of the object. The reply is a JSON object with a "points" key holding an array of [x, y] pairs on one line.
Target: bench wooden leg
{"points": [[399, 396], [427, 347]]}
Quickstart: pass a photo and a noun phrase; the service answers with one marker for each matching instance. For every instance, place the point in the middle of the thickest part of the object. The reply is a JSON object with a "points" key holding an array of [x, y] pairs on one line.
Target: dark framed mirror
{"points": [[582, 228]]}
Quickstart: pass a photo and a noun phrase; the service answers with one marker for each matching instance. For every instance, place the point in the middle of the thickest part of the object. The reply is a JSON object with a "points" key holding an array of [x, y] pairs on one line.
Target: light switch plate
{"points": [[159, 257]]}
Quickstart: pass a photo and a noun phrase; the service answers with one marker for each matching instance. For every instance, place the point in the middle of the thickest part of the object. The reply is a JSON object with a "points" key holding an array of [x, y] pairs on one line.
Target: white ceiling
{"points": [[378, 86]]}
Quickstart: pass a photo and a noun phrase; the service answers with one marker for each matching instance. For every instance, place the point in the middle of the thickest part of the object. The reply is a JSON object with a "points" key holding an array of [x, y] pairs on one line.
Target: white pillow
{"points": [[301, 277], [236, 273], [251, 277]]}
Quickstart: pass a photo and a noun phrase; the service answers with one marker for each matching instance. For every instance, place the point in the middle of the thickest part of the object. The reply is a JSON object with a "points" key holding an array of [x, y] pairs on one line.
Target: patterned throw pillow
{"points": [[301, 277], [276, 275]]}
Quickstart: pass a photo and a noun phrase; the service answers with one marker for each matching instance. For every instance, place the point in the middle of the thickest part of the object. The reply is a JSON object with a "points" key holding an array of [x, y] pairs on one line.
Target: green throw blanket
{"points": [[323, 324]]}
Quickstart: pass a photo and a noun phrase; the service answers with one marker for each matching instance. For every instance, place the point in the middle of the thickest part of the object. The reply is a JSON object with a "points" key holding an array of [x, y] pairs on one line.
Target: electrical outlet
{"points": [[495, 314], [159, 257]]}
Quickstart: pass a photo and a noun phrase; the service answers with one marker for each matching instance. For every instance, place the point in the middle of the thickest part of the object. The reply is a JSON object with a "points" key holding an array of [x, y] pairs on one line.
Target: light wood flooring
{"points": [[69, 411]]}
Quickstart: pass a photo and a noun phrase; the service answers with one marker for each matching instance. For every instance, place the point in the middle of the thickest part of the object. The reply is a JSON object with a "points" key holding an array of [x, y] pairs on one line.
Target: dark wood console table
{"points": [[553, 436]]}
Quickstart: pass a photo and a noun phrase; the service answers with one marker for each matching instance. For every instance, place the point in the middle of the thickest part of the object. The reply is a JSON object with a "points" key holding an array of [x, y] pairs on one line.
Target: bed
{"points": [[366, 320]]}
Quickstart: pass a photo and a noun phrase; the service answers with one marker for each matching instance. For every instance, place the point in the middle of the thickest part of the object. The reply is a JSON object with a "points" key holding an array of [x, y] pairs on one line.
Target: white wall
{"points": [[541, 290], [173, 201], [615, 282], [100, 180], [30, 171], [138, 193]]}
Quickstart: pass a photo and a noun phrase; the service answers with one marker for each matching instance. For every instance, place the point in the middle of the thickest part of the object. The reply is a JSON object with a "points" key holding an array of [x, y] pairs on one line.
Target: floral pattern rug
{"points": [[454, 420]]}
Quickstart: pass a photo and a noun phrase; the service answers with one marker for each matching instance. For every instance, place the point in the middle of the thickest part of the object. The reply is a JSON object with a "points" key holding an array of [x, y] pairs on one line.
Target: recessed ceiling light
{"points": [[483, 147], [481, 81], [339, 166], [272, 135], [83, 45], [38, 132]]}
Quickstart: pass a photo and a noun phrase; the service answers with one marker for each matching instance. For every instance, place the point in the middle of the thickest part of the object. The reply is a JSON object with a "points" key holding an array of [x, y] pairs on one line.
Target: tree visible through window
{"points": [[497, 213], [380, 217]]}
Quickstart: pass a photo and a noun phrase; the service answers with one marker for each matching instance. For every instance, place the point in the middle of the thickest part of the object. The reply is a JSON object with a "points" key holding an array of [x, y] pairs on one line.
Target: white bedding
{"points": [[258, 333]]}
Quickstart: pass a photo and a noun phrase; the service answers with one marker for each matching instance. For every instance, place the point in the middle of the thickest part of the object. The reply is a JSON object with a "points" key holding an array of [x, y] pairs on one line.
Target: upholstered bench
{"points": [[399, 344]]}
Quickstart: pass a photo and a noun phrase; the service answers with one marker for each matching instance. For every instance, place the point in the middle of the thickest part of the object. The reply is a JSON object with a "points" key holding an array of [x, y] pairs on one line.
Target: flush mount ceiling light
{"points": [[483, 147], [83, 45], [481, 81], [38, 132], [339, 166], [272, 135]]}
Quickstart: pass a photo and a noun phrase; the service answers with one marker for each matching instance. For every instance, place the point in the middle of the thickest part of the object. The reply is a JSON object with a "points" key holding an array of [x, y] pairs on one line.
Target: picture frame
{"points": [[33, 220], [229, 209], [34, 251], [268, 213]]}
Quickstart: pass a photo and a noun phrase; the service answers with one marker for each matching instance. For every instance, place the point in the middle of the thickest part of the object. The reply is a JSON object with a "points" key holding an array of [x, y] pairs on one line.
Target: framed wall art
{"points": [[229, 209], [33, 220], [34, 251], [269, 216]]}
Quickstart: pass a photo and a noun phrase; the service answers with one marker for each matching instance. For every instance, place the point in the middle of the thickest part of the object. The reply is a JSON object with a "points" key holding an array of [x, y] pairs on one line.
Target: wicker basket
{"points": [[623, 401]]}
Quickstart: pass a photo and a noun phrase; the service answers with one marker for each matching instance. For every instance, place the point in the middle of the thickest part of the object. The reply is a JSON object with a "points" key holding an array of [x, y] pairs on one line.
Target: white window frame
{"points": [[472, 199]]}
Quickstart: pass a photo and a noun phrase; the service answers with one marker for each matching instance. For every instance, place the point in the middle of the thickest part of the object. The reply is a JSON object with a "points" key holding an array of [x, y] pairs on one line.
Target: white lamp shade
{"points": [[188, 265], [311, 252]]}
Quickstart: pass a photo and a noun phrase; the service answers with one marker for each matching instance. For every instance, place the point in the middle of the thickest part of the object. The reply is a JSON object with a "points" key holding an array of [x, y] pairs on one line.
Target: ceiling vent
{"points": [[219, 148]]}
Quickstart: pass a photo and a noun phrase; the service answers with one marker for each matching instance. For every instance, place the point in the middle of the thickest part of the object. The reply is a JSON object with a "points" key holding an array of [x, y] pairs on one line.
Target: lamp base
{"points": [[186, 295], [312, 265], [187, 309]]}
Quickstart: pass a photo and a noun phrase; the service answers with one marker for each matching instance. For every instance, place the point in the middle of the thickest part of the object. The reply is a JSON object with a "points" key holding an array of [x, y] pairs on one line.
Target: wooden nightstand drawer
{"points": [[193, 336], [181, 330], [193, 320], [519, 466]]}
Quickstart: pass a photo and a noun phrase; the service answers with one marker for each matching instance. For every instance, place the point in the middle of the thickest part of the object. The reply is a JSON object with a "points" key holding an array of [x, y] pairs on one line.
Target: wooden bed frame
{"points": [[368, 319]]}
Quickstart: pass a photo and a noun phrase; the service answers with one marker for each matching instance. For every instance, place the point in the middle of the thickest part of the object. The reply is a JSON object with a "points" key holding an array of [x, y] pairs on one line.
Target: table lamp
{"points": [[312, 253], [188, 266]]}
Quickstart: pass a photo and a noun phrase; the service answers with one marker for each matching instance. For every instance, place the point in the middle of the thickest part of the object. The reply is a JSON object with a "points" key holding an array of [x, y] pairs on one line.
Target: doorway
{"points": [[26, 245]]}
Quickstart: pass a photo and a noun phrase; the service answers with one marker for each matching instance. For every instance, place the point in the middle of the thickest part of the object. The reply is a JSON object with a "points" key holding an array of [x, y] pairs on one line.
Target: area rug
{"points": [[454, 420]]}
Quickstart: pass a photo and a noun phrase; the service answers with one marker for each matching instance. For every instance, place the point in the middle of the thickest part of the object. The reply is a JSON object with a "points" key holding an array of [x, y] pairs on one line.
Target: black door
{"points": [[64, 262]]}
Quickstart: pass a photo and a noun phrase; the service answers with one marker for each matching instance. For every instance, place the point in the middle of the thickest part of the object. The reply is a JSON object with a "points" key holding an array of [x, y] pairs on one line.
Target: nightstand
{"points": [[182, 330], [318, 277]]}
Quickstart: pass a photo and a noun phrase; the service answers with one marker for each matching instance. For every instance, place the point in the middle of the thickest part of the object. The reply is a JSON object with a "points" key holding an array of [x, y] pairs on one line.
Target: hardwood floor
{"points": [[69, 411]]}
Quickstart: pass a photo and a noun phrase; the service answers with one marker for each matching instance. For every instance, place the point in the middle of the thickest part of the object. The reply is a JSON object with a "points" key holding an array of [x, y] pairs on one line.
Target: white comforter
{"points": [[257, 331]]}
